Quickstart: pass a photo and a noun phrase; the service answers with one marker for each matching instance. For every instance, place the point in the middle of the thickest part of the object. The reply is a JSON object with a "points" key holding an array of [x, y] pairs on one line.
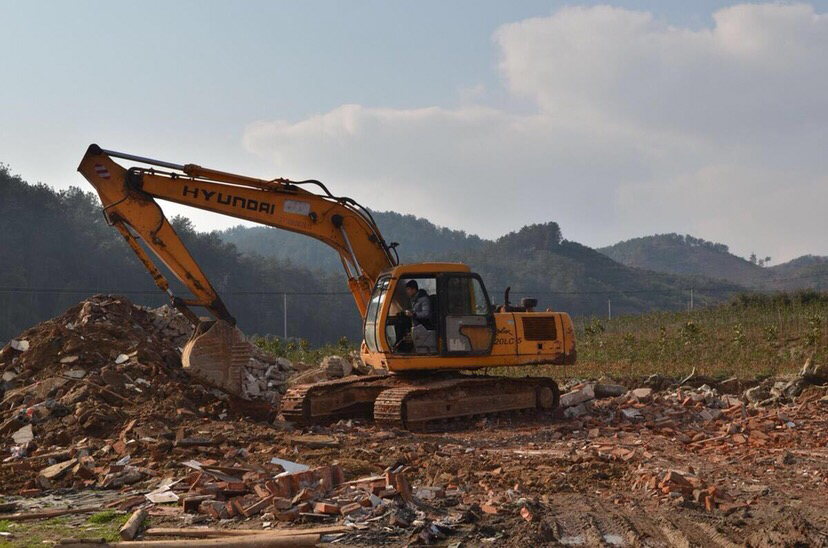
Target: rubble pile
{"points": [[286, 492], [334, 367], [73, 385], [692, 415], [774, 392], [265, 377], [686, 488], [170, 324]]}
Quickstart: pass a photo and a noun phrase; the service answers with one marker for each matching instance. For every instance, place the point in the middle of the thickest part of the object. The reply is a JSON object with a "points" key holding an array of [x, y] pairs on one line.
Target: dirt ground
{"points": [[550, 481], [578, 493], [630, 462]]}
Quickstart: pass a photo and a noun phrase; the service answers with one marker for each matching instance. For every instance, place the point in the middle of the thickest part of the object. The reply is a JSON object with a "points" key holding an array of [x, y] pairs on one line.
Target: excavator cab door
{"points": [[467, 315]]}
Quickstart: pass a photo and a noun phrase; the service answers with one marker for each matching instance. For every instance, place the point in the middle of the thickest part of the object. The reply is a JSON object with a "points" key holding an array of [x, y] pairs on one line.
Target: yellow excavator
{"points": [[426, 324]]}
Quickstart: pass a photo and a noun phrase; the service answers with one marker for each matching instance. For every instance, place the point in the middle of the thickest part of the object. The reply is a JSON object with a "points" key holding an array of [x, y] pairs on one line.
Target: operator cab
{"points": [[460, 321]]}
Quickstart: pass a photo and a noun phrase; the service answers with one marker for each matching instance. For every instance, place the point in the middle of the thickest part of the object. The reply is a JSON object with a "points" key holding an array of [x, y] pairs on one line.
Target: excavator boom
{"points": [[128, 197]]}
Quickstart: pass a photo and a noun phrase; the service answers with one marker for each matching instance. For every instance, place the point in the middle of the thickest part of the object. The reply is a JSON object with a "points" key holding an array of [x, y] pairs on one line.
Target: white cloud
{"points": [[639, 127]]}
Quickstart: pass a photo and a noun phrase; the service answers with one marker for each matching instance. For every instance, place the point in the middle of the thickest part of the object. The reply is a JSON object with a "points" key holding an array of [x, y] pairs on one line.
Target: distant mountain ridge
{"points": [[686, 255], [534, 261]]}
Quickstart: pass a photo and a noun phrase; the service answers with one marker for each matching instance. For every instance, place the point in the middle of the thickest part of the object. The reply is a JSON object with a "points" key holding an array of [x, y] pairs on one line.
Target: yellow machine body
{"points": [[464, 340], [465, 330]]}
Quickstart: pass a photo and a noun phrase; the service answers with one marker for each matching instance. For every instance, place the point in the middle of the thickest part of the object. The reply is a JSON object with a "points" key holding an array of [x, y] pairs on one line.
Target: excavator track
{"points": [[416, 403], [422, 406], [328, 401]]}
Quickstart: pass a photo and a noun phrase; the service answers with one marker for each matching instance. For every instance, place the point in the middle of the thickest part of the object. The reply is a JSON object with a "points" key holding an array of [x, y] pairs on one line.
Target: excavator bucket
{"points": [[215, 354]]}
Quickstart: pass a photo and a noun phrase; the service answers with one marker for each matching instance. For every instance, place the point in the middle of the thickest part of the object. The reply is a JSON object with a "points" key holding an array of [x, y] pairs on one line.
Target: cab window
{"points": [[466, 297], [469, 323], [371, 315]]}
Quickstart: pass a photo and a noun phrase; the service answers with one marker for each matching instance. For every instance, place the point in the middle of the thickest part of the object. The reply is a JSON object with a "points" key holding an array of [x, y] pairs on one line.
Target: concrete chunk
{"points": [[575, 411], [579, 396], [643, 394]]}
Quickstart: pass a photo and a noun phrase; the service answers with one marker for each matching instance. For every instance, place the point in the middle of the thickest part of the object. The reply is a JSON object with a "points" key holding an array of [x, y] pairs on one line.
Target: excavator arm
{"points": [[129, 198]]}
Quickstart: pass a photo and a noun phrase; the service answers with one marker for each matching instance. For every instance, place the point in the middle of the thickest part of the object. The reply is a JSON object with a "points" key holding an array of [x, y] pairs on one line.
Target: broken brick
{"points": [[325, 508]]}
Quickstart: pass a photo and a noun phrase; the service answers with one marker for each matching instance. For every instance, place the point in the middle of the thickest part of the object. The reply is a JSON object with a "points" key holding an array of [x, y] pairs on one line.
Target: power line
{"points": [[156, 291], [636, 291], [336, 293]]}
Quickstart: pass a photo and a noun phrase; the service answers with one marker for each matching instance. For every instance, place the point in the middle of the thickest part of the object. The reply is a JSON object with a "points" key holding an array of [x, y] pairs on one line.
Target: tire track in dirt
{"points": [[692, 532], [585, 521]]}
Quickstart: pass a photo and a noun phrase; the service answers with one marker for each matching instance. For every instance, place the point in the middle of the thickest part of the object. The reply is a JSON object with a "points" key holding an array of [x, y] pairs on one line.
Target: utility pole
{"points": [[691, 299], [609, 309], [284, 308]]}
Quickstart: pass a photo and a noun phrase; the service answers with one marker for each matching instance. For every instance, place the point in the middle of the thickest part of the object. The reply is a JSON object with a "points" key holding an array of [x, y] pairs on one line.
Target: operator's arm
{"points": [[128, 197]]}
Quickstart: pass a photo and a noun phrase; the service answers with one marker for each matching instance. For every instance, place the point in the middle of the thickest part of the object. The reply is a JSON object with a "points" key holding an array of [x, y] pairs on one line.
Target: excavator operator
{"points": [[420, 311]]}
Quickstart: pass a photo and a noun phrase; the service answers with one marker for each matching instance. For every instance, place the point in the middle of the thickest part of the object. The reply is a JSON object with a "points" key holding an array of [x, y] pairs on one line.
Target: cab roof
{"points": [[427, 268]]}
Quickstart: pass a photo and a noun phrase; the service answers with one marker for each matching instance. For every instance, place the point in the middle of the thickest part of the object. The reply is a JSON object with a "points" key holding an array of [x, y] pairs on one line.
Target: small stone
{"points": [[575, 411], [642, 394], [69, 359], [786, 458], [631, 413], [710, 414], [397, 521], [336, 366], [609, 390], [121, 358], [814, 373], [20, 346], [757, 393], [794, 388], [24, 435], [56, 470]]}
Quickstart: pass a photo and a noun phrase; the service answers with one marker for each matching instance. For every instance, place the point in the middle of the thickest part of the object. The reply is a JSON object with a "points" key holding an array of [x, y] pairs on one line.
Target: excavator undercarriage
{"points": [[417, 402]]}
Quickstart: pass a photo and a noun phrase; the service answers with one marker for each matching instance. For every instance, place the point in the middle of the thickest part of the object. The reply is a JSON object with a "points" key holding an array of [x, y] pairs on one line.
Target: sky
{"points": [[616, 120]]}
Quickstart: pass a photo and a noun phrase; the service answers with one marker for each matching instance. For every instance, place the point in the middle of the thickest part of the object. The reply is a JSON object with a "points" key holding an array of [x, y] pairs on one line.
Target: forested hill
{"points": [[537, 261], [686, 255], [807, 271], [419, 239]]}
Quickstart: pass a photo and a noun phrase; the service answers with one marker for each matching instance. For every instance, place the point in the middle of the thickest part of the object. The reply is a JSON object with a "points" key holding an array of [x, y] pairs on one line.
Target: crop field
{"points": [[749, 336]]}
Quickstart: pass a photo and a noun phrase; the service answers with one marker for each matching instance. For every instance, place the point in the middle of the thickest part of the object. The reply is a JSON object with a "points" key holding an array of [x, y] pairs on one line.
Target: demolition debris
{"points": [[98, 414]]}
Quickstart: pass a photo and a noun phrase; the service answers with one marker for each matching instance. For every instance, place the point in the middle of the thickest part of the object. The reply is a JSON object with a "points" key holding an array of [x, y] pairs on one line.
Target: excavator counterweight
{"points": [[428, 324]]}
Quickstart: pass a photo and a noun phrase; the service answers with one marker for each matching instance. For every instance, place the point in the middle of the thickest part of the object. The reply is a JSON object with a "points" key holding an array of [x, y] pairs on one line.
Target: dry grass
{"points": [[750, 336]]}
